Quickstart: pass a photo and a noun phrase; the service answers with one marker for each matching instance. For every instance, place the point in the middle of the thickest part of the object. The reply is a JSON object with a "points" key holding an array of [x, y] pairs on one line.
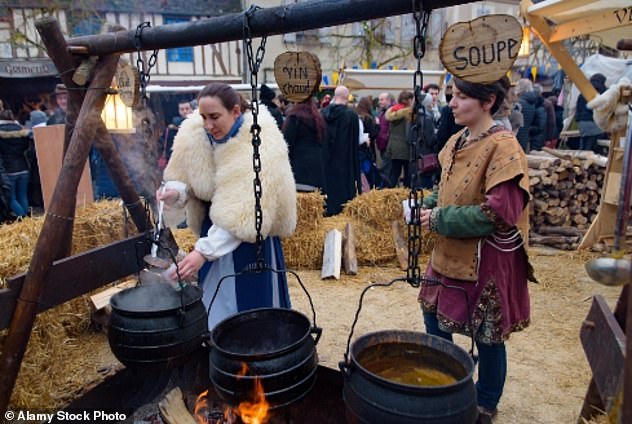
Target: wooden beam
{"points": [[79, 274], [603, 341], [55, 43], [626, 409], [266, 21], [549, 8], [607, 19], [542, 29], [52, 233]]}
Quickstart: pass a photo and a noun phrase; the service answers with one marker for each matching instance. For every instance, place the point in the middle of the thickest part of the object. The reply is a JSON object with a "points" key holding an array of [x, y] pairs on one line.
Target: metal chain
{"points": [[415, 196], [254, 62], [143, 72]]}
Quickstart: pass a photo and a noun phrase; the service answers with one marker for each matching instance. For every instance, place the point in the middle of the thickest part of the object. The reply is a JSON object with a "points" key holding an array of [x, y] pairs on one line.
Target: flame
{"points": [[255, 412], [201, 407]]}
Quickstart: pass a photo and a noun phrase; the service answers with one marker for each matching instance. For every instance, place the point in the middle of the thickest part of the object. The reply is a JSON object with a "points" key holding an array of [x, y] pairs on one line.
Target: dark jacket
{"points": [[538, 127], [14, 143], [6, 213], [527, 103], [274, 111], [305, 151], [340, 156], [550, 130], [447, 127], [582, 113]]}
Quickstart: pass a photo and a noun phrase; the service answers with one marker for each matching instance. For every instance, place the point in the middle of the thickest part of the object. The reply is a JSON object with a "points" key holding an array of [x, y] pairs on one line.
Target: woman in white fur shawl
{"points": [[210, 174]]}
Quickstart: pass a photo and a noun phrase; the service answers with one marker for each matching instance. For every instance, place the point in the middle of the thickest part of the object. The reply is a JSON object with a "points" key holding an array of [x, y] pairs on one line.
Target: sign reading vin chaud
{"points": [[298, 75], [482, 50]]}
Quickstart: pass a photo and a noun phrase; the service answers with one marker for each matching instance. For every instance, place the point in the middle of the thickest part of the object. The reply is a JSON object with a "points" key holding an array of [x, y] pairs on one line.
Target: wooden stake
{"points": [[349, 258], [173, 410], [401, 249], [52, 233], [332, 255]]}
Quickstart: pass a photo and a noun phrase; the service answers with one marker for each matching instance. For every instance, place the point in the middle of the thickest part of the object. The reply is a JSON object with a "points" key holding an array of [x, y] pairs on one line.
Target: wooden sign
{"points": [[49, 146], [482, 50], [298, 75], [128, 83]]}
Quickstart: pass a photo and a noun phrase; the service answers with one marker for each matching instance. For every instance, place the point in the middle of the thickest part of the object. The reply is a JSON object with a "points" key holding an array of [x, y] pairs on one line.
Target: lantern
{"points": [[116, 115], [525, 47]]}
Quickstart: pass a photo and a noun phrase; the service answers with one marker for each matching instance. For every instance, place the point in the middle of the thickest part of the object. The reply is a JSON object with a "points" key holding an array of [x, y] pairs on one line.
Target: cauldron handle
{"points": [[345, 365], [315, 329]]}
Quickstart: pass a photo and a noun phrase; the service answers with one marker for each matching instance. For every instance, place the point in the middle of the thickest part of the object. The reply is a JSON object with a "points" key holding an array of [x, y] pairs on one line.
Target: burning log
{"points": [[566, 187], [173, 410]]}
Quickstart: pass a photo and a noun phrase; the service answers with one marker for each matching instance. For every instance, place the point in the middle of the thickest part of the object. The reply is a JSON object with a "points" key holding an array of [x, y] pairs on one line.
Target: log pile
{"points": [[566, 188]]}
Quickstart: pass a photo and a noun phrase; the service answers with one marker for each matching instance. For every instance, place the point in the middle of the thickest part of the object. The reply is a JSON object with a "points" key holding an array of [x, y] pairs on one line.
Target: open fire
{"points": [[250, 411]]}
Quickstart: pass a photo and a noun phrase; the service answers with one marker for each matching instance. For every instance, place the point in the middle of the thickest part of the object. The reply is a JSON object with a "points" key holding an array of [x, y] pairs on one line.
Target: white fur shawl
{"points": [[223, 175], [610, 108]]}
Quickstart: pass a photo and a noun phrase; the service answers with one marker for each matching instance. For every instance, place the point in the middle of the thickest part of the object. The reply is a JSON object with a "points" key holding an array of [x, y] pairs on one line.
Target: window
{"points": [[85, 24], [181, 54]]}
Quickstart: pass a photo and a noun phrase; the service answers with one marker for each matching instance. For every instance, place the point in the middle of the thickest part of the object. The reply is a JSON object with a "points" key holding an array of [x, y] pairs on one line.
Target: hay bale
{"points": [[371, 214], [55, 332], [185, 238], [95, 225], [309, 210], [377, 208]]}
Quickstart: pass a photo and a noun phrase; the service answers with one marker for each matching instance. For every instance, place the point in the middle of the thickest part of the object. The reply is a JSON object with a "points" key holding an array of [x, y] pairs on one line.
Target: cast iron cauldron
{"points": [[153, 325], [277, 347], [370, 398]]}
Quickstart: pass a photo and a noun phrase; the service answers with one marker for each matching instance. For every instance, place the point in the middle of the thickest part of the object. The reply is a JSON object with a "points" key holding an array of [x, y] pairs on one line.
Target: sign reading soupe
{"points": [[298, 75], [482, 50]]}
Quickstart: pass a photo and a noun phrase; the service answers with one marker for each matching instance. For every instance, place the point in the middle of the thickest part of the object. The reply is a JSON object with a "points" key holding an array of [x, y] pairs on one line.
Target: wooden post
{"points": [[593, 403], [626, 409], [349, 257], [65, 62], [55, 44], [52, 233], [558, 51]]}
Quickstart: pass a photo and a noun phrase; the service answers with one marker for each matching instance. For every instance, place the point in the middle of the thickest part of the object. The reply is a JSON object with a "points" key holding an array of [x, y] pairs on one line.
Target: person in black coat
{"points": [[527, 99], [14, 144], [589, 131], [304, 131], [266, 94], [340, 152], [447, 127]]}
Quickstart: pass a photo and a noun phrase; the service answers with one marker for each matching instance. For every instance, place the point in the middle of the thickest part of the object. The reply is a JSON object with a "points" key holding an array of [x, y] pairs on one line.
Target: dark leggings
{"points": [[492, 365]]}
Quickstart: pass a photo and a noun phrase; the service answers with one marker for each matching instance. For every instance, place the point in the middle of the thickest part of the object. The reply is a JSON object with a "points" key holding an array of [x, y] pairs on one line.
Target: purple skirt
{"points": [[494, 306]]}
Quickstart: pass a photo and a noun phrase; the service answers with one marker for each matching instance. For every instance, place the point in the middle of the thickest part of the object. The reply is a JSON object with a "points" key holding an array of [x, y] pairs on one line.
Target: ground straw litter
{"points": [[56, 331]]}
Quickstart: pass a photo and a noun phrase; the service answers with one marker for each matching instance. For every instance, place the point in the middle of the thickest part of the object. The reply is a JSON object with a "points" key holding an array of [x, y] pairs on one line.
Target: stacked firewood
{"points": [[566, 187]]}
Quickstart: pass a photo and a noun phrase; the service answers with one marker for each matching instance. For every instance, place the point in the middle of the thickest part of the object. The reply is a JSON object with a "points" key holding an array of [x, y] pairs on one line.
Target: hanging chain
{"points": [[415, 197], [143, 72], [254, 62]]}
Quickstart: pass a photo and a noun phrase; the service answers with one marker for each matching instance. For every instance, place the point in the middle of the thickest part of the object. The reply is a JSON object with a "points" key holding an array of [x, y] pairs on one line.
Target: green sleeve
{"points": [[430, 202], [461, 222]]}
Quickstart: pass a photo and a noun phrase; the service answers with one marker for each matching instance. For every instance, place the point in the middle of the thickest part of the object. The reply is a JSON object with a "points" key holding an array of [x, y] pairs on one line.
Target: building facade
{"points": [[27, 74]]}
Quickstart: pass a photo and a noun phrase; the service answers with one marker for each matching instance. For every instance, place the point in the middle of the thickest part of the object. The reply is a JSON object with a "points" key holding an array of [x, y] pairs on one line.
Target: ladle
{"points": [[616, 270]]}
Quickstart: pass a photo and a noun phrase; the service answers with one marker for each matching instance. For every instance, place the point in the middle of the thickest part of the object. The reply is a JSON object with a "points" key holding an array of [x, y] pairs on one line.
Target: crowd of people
{"points": [[20, 188]]}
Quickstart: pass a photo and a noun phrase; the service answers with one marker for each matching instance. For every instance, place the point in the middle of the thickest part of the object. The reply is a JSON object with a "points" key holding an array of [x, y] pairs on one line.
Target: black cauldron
{"points": [[372, 398], [276, 346], [153, 325]]}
